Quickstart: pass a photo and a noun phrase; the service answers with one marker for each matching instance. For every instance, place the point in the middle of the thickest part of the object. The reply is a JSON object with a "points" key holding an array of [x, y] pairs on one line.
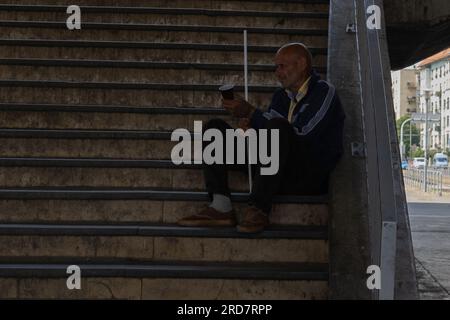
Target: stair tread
{"points": [[159, 230]]}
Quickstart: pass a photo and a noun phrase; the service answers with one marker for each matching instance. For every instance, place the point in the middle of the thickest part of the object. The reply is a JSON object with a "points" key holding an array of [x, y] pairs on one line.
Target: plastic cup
{"points": [[227, 91]]}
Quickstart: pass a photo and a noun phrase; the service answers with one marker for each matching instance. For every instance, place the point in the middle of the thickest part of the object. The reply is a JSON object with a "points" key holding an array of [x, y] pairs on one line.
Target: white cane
{"points": [[246, 99]]}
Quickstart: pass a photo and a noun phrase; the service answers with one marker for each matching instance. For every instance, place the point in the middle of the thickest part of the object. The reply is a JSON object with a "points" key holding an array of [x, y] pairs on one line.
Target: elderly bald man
{"points": [[308, 114]]}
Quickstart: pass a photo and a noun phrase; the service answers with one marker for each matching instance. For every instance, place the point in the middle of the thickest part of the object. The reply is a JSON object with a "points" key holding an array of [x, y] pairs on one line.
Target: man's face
{"points": [[290, 69]]}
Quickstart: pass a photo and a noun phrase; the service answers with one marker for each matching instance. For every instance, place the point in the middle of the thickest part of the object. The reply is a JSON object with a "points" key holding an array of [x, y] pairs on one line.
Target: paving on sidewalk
{"points": [[429, 287], [430, 230]]}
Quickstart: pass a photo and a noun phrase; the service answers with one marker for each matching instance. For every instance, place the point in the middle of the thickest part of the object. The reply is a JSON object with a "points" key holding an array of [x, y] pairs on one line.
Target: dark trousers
{"points": [[297, 173]]}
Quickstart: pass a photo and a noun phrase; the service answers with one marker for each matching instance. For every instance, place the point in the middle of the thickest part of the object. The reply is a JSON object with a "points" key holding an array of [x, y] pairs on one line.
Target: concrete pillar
{"points": [[349, 251]]}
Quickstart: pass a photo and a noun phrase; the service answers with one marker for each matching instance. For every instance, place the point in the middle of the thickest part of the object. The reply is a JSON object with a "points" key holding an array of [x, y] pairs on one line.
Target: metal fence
{"points": [[415, 178], [445, 171]]}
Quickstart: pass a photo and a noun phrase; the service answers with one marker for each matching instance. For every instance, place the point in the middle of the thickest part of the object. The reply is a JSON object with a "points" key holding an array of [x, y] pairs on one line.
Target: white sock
{"points": [[221, 203]]}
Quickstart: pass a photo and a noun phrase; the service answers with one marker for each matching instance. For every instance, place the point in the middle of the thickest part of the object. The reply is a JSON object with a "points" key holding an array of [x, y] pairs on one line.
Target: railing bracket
{"points": [[358, 150], [351, 28]]}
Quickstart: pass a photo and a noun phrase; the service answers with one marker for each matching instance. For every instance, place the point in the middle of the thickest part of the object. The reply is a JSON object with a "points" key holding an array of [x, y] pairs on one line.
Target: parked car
{"points": [[405, 165], [440, 160], [419, 163]]}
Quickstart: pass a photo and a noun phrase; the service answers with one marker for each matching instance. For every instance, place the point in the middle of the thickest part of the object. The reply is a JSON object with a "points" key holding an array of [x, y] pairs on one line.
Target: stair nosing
{"points": [[139, 194], [127, 85], [5, 106], [162, 27], [306, 271], [167, 11], [92, 163], [88, 63], [104, 134], [147, 45], [159, 230]]}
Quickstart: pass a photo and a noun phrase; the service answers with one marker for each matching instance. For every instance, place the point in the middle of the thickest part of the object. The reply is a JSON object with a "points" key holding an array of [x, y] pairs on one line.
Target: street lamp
{"points": [[425, 169], [402, 146]]}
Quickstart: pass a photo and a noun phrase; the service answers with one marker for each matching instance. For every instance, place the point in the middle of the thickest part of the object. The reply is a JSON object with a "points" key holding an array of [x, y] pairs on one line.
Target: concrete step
{"points": [[77, 205], [87, 148], [298, 6], [150, 51], [174, 16], [170, 178], [47, 116], [160, 33], [37, 248], [161, 243], [117, 94], [166, 281], [139, 73], [126, 144], [134, 75]]}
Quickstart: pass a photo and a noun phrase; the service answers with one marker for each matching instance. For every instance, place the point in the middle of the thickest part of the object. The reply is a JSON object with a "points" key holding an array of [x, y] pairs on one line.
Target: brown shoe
{"points": [[253, 220], [209, 217]]}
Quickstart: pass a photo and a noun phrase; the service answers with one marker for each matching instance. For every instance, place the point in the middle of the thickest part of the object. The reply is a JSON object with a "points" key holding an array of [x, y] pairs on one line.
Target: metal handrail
{"points": [[382, 161]]}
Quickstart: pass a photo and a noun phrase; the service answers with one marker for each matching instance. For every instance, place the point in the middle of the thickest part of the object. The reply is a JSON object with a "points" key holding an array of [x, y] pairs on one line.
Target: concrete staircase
{"points": [[85, 175]]}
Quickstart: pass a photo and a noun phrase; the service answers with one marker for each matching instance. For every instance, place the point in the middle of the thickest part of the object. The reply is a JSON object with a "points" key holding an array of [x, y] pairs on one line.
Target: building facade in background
{"points": [[433, 88], [404, 91]]}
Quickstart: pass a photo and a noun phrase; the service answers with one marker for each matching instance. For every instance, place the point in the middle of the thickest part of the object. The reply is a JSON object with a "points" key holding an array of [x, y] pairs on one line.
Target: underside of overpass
{"points": [[416, 29]]}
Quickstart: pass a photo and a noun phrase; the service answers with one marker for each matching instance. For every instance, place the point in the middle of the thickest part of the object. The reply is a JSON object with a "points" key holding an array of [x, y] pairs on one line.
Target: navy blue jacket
{"points": [[318, 121]]}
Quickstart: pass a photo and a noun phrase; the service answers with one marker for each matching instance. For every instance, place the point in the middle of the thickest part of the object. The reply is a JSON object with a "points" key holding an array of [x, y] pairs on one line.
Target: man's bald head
{"points": [[298, 50], [294, 65]]}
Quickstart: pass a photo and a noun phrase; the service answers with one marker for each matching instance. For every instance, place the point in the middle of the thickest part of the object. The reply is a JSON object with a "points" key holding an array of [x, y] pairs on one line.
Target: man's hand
{"points": [[244, 124], [239, 108]]}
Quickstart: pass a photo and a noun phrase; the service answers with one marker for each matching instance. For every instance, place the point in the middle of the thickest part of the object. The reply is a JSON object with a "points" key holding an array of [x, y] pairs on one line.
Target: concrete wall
{"points": [[439, 82], [349, 235]]}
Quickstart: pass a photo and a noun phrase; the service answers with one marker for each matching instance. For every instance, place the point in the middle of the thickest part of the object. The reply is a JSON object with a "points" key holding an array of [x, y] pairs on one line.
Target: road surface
{"points": [[430, 226]]}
